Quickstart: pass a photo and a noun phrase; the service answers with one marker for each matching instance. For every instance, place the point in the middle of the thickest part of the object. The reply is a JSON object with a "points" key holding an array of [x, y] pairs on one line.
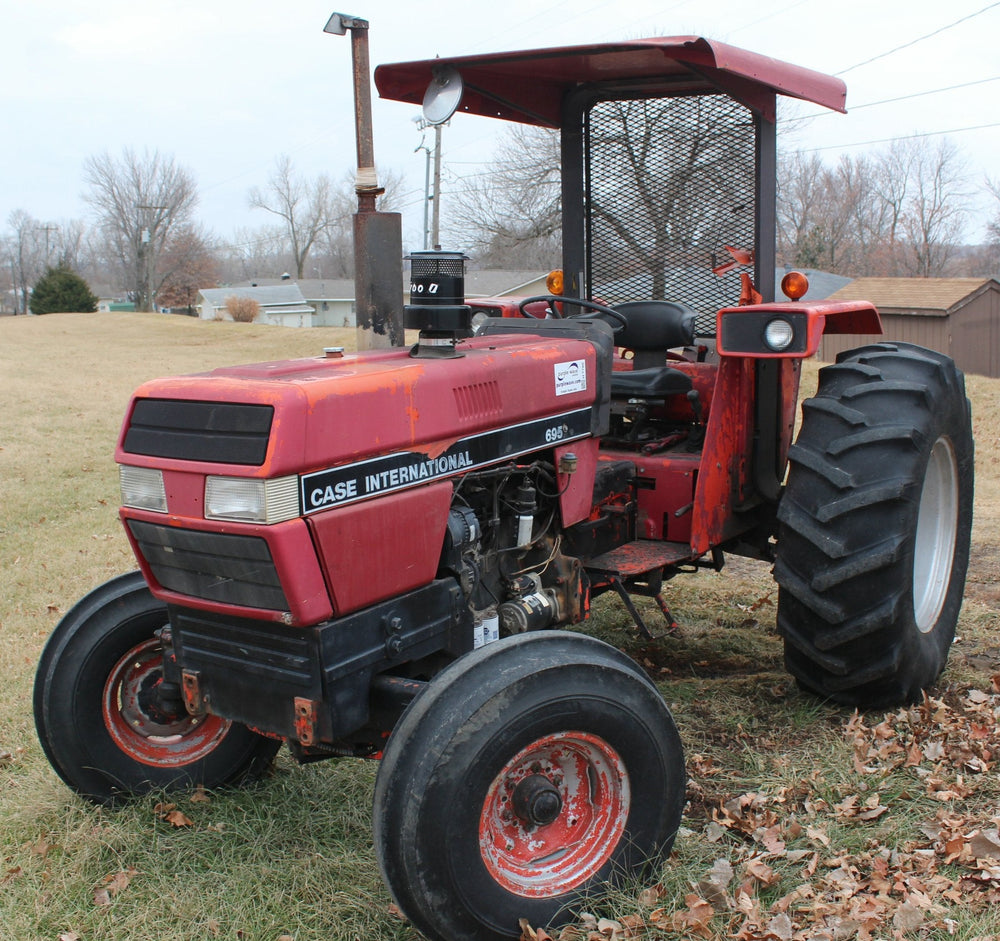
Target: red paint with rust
{"points": [[724, 472], [333, 411]]}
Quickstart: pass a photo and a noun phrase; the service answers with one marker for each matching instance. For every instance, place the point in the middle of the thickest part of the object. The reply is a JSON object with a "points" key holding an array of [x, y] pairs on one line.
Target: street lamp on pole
{"points": [[441, 99]]}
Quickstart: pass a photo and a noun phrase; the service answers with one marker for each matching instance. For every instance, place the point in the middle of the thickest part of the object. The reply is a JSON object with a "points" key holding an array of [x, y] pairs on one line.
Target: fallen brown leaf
{"points": [[648, 897], [177, 818], [695, 918]]}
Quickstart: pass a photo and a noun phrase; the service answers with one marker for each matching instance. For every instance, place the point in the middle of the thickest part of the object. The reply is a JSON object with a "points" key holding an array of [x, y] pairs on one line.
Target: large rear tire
{"points": [[875, 524], [102, 725], [526, 776]]}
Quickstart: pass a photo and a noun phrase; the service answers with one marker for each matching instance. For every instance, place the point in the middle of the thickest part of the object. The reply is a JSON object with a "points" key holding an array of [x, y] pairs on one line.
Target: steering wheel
{"points": [[620, 323]]}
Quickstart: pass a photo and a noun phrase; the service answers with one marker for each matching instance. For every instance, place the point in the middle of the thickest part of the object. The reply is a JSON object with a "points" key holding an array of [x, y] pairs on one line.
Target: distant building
{"points": [[332, 299], [281, 304], [329, 302], [501, 282], [957, 316]]}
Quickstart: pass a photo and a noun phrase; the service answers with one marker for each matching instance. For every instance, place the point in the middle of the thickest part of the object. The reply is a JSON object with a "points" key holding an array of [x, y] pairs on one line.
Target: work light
{"points": [[778, 334]]}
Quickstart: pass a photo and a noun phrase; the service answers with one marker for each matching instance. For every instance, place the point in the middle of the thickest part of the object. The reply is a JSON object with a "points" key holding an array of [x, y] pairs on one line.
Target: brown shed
{"points": [[957, 316]]}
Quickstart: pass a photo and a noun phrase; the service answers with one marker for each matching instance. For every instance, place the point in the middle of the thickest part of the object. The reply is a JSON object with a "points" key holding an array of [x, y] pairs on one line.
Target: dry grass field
{"points": [[803, 821]]}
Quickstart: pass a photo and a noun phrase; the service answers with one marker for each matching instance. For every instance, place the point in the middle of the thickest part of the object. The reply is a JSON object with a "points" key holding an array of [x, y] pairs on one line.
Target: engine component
{"points": [[533, 609], [526, 505], [487, 627]]}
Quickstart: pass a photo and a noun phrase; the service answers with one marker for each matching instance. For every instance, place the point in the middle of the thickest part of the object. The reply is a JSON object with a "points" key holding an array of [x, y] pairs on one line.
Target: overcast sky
{"points": [[227, 85]]}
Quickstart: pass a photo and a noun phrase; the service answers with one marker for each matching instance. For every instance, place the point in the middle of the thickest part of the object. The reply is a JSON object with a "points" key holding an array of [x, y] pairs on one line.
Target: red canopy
{"points": [[529, 86]]}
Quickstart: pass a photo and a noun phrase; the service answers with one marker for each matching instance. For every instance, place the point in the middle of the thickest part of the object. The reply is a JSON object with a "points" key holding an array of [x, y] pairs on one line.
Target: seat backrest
{"points": [[653, 328]]}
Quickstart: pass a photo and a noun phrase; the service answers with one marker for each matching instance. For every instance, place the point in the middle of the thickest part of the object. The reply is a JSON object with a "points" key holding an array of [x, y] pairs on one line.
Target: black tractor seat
{"points": [[657, 382], [652, 328]]}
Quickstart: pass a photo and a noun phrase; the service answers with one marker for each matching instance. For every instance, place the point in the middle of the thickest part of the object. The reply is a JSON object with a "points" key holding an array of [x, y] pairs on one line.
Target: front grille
{"points": [[222, 432], [217, 567], [670, 182]]}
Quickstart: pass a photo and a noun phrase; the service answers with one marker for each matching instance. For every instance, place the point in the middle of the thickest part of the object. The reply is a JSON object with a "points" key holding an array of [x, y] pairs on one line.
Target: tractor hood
{"points": [[311, 415], [530, 86]]}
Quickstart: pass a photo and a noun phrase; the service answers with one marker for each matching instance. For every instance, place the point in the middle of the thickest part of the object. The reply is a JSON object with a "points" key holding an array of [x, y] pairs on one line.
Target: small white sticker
{"points": [[571, 377]]}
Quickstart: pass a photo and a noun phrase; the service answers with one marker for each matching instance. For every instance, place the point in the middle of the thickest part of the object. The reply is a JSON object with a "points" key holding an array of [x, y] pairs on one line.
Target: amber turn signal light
{"points": [[794, 285], [554, 282]]}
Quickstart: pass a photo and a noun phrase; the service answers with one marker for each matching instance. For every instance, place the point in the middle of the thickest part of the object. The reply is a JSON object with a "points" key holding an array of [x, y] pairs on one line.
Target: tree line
{"points": [[905, 211], [902, 211], [145, 244]]}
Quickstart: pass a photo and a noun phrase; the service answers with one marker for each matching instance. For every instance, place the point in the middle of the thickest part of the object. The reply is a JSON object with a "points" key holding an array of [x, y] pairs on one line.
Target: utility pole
{"points": [[146, 256], [436, 215], [47, 229], [378, 236], [422, 126]]}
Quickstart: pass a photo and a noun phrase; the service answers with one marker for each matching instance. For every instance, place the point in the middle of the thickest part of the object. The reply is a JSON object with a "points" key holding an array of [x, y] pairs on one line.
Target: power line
{"points": [[889, 101], [888, 140], [913, 42], [921, 94], [770, 16]]}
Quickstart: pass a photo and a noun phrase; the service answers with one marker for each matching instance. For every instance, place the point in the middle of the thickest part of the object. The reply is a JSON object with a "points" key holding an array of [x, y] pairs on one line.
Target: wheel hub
{"points": [[144, 721], [537, 801], [554, 814]]}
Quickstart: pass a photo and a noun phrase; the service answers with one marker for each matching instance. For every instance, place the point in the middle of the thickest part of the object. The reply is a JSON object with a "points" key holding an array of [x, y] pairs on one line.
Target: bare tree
{"points": [[334, 255], [140, 201], [23, 256], [511, 216], [70, 245], [934, 216], [898, 212], [254, 254], [306, 208], [991, 252], [803, 189]]}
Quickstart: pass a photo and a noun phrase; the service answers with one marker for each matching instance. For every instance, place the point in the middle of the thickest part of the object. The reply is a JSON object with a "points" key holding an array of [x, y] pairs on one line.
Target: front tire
{"points": [[100, 721], [875, 526], [526, 776]]}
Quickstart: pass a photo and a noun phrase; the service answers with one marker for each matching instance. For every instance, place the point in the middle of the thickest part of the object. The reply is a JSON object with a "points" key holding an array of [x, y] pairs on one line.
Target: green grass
{"points": [[292, 856]]}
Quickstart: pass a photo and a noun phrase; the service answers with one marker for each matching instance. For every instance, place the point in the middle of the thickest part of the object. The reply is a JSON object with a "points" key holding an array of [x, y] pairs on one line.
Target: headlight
{"points": [[249, 500], [778, 334], [142, 488]]}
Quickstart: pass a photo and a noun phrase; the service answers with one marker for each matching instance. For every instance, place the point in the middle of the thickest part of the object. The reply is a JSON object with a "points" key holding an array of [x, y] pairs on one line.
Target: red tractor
{"points": [[379, 554]]}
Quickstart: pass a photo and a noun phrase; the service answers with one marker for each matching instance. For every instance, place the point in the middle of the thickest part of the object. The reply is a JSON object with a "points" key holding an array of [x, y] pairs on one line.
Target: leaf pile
{"points": [[826, 862]]}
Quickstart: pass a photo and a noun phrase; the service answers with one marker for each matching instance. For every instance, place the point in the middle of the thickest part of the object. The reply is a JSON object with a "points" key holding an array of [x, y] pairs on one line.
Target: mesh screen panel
{"points": [[670, 181]]}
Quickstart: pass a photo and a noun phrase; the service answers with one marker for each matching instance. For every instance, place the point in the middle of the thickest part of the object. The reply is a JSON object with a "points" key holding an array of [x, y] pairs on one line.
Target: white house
{"points": [[281, 304]]}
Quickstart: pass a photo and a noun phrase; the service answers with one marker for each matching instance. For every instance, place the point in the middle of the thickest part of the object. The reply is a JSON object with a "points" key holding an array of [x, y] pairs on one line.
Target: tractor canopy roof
{"points": [[530, 86]]}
